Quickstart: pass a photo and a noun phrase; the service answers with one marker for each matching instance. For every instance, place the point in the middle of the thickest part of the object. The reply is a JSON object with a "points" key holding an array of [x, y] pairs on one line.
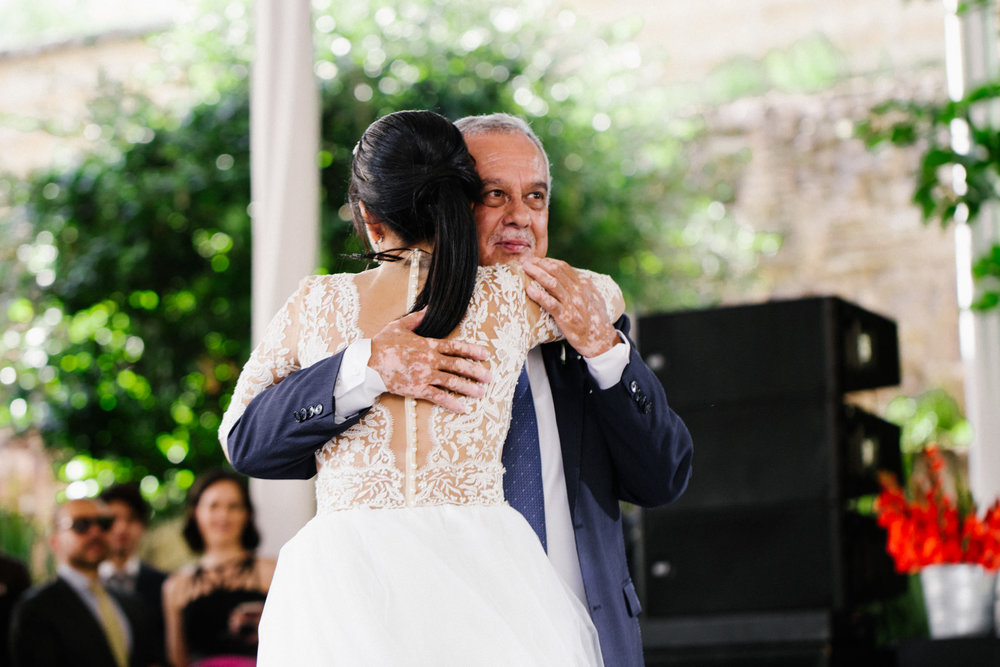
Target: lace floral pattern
{"points": [[455, 458]]}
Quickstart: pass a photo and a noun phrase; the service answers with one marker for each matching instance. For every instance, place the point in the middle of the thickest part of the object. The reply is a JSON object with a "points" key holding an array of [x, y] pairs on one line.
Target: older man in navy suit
{"points": [[597, 419]]}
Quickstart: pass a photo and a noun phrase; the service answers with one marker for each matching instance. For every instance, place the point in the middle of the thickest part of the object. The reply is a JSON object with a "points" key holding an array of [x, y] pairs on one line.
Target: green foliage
{"points": [[18, 535], [986, 271], [132, 267], [931, 417], [899, 617], [807, 65], [131, 322], [951, 185]]}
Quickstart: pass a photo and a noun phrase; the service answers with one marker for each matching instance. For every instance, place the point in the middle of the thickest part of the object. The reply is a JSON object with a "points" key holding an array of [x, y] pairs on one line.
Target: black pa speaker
{"points": [[788, 450], [764, 526], [819, 347]]}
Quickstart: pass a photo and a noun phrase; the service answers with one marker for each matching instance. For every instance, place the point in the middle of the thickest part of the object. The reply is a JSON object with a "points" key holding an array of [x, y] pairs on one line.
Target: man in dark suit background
{"points": [[123, 570], [74, 620], [605, 430], [14, 580]]}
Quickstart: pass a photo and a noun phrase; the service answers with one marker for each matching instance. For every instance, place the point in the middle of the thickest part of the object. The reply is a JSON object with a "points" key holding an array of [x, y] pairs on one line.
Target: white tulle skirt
{"points": [[439, 586]]}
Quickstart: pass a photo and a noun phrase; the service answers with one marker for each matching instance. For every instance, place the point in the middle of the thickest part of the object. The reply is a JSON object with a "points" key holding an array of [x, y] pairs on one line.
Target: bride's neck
{"points": [[406, 256]]}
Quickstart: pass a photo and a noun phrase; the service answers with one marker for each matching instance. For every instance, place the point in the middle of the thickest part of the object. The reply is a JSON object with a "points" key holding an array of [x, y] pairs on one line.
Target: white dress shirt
{"points": [[124, 578]]}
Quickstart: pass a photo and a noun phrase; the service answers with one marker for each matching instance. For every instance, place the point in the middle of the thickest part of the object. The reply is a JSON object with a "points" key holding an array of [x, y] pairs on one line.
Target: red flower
{"points": [[930, 529]]}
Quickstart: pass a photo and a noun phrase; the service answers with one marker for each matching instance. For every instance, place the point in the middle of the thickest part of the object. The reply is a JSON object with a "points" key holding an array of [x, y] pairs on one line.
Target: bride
{"points": [[414, 557]]}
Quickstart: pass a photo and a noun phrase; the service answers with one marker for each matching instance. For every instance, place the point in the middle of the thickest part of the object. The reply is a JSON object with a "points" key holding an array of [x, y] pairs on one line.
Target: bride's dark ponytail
{"points": [[413, 173]]}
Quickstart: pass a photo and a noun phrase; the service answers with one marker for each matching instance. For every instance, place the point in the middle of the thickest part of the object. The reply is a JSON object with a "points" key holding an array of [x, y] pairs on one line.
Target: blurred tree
{"points": [[131, 268]]}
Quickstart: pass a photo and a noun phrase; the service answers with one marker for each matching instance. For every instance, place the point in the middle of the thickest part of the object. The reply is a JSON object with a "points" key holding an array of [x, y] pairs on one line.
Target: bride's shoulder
{"points": [[501, 278], [500, 272], [326, 282]]}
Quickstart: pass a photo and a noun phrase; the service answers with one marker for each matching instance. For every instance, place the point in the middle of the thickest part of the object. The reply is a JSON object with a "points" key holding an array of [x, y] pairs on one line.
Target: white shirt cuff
{"points": [[357, 385], [607, 368]]}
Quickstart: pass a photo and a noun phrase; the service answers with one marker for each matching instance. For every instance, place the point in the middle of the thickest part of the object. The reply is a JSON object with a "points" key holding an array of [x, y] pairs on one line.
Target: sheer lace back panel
{"points": [[405, 452]]}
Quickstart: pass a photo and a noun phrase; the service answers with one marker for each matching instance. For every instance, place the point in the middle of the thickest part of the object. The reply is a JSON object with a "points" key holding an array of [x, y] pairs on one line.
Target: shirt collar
{"points": [[79, 581], [131, 569]]}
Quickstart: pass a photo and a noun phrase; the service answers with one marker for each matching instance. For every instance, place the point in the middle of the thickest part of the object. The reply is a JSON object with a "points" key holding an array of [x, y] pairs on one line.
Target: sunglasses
{"points": [[82, 525]]}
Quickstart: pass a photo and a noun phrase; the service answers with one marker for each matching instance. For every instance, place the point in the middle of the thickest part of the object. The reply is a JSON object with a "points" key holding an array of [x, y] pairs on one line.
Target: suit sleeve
{"points": [[281, 413], [648, 442], [279, 431], [31, 637]]}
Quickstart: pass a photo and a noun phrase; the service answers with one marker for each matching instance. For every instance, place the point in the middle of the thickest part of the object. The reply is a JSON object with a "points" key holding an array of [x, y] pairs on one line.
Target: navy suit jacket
{"points": [[622, 443], [14, 580], [149, 589], [53, 627]]}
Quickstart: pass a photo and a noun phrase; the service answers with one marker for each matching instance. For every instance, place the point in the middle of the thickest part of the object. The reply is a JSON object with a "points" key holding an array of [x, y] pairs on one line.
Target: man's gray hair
{"points": [[502, 123]]}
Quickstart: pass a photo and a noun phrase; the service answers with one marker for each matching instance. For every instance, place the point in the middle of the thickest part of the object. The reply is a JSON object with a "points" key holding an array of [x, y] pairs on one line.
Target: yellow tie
{"points": [[112, 624]]}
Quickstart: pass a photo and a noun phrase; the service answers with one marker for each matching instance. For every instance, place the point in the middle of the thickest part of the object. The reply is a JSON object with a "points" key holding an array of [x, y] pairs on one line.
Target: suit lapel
{"points": [[567, 398], [83, 625]]}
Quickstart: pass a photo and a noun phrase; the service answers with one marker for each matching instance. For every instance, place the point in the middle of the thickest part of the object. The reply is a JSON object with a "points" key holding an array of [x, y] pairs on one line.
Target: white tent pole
{"points": [[284, 142], [971, 59]]}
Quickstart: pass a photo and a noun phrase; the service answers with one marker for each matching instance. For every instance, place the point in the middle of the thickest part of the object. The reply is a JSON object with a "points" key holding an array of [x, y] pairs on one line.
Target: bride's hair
{"points": [[413, 173]]}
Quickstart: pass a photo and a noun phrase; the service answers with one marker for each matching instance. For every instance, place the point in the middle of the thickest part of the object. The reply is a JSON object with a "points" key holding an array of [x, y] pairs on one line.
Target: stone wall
{"points": [[844, 212], [692, 38], [845, 215]]}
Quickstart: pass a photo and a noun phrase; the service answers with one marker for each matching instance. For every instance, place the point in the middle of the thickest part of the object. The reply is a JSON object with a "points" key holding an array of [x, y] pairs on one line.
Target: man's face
{"points": [[81, 534], [513, 217], [126, 532]]}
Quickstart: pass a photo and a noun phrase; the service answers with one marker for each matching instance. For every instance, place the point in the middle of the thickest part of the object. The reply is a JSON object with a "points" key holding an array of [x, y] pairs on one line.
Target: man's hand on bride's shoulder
{"points": [[574, 303], [438, 370]]}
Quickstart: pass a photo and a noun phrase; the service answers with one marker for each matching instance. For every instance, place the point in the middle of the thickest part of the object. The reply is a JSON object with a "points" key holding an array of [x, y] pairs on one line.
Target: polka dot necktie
{"points": [[522, 460]]}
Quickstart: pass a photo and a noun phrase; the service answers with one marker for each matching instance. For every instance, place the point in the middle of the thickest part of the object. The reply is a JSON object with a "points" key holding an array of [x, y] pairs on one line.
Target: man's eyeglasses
{"points": [[82, 525]]}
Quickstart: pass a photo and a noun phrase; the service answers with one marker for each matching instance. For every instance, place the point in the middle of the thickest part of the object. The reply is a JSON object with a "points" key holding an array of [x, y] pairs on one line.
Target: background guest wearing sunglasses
{"points": [[74, 620]]}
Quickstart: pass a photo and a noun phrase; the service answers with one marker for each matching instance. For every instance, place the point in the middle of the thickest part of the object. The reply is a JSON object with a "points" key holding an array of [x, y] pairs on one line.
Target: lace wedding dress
{"points": [[414, 557]]}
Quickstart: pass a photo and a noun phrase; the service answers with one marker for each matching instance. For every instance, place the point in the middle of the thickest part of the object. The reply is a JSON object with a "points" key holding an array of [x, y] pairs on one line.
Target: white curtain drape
{"points": [[971, 57], [284, 141]]}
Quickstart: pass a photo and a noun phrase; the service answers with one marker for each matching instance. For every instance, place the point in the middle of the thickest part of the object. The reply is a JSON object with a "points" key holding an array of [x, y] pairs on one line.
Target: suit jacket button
{"points": [[298, 416], [633, 387]]}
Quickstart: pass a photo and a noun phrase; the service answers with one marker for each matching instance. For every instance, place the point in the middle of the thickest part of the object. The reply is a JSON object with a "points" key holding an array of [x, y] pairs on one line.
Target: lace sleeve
{"points": [[273, 359]]}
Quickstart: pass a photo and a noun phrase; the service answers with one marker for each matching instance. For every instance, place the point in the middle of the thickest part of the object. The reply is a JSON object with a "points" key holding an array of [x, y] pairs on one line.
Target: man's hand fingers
{"points": [[556, 279], [413, 320], [456, 348], [543, 299], [471, 370], [459, 385], [541, 275], [445, 399]]}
